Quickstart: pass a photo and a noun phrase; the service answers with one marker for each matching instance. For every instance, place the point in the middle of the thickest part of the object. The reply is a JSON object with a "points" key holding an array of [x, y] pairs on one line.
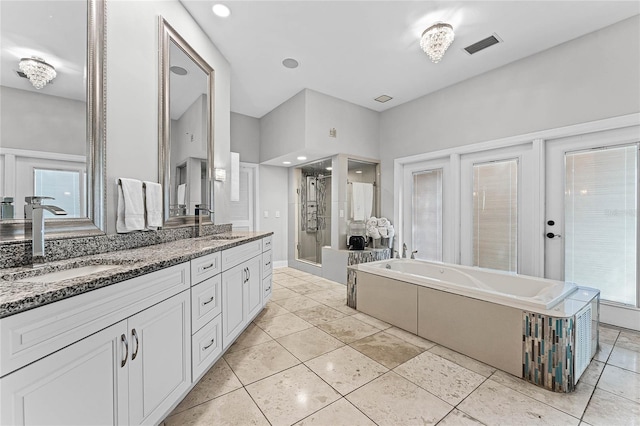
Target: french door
{"points": [[591, 213]]}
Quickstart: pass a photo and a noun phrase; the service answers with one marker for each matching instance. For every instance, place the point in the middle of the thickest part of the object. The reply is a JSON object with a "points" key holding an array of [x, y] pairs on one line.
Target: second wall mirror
{"points": [[185, 149]]}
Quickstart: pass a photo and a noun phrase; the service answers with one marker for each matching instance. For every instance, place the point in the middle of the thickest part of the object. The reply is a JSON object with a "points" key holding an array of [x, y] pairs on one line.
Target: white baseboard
{"points": [[620, 316], [280, 264]]}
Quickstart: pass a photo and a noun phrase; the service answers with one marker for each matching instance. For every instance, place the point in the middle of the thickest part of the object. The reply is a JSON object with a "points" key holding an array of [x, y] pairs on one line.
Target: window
{"points": [[427, 214], [495, 215], [63, 185], [601, 220]]}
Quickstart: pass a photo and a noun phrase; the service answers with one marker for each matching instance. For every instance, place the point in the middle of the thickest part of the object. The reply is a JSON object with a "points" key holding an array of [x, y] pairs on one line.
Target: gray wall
{"points": [[589, 78], [39, 122], [245, 137], [132, 98], [272, 188], [282, 131]]}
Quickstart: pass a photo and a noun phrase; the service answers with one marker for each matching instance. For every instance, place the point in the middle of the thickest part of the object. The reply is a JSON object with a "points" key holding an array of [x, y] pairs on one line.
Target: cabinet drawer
{"points": [[206, 347], [266, 243], [205, 302], [205, 267], [267, 264], [235, 256], [266, 289], [33, 334]]}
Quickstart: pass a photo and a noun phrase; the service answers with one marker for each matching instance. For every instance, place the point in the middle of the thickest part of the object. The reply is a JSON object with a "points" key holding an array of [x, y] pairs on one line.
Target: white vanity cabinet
{"points": [[130, 372], [267, 269]]}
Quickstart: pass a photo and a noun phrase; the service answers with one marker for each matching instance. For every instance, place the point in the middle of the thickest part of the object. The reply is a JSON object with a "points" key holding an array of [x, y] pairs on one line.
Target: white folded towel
{"points": [[153, 205], [130, 213], [383, 221], [384, 232], [182, 191], [374, 233], [372, 221]]}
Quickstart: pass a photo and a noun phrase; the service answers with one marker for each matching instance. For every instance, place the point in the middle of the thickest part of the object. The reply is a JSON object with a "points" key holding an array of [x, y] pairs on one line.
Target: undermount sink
{"points": [[67, 274]]}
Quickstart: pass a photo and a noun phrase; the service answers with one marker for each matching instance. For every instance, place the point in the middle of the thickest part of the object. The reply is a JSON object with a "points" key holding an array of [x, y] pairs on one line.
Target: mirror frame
{"points": [[96, 119], [168, 34]]}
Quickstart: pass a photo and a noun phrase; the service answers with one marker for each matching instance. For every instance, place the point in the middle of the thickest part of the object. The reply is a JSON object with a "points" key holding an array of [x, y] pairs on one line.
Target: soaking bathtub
{"points": [[543, 331], [491, 286]]}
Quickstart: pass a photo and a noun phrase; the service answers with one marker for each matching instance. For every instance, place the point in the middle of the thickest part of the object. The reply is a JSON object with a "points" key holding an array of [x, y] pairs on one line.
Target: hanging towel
{"points": [[130, 213], [153, 204], [182, 191], [362, 200]]}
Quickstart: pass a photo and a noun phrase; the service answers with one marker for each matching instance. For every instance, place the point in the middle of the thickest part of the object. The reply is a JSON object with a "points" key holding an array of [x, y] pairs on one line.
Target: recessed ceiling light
{"points": [[359, 172], [383, 98], [302, 158], [290, 63], [221, 10], [178, 70], [329, 168], [286, 162]]}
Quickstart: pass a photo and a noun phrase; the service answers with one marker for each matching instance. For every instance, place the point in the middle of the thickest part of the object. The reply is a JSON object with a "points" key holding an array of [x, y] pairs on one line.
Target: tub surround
{"points": [[548, 347], [17, 294]]}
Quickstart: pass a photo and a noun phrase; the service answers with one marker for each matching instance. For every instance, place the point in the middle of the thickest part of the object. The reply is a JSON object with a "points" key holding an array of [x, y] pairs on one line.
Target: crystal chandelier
{"points": [[436, 40], [37, 71]]}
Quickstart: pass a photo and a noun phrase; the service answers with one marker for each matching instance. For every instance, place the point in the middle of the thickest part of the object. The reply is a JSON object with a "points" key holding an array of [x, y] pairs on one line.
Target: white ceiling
{"points": [[358, 50]]}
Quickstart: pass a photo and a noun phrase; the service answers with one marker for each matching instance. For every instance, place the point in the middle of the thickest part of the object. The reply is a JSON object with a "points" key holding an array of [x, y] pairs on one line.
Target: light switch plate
{"points": [[277, 213], [266, 213]]}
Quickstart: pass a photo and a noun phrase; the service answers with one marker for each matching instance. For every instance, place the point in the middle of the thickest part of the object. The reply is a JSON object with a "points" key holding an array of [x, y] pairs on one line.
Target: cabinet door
{"points": [[254, 287], [82, 384], [159, 358], [234, 314]]}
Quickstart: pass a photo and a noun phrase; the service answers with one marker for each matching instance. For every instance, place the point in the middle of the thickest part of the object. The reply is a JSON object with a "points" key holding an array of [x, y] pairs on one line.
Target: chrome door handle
{"points": [[208, 301], [204, 268], [209, 345], [134, 333], [126, 346]]}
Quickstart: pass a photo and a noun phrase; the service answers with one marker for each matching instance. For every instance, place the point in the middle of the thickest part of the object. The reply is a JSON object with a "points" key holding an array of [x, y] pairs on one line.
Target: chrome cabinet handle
{"points": [[208, 301], [209, 345], [248, 274], [126, 346], [204, 268], [267, 289], [268, 263], [134, 333]]}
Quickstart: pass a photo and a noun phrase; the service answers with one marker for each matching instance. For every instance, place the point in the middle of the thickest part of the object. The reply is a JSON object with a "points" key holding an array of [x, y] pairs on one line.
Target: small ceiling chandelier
{"points": [[436, 40], [37, 71]]}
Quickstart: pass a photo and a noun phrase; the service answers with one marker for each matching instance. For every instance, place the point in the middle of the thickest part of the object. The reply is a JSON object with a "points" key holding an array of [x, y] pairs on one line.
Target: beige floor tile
{"points": [[319, 314], [458, 418], [441, 377], [217, 381], [608, 335], [328, 297], [272, 309], [291, 395], [386, 349], [592, 374], [414, 339], [282, 325], [340, 413], [282, 293], [620, 382], [291, 282], [625, 358], [496, 404], [573, 403], [348, 329], [629, 340], [251, 336], [343, 308], [258, 362], [305, 288], [235, 408], [604, 350], [607, 409], [309, 343], [463, 360], [345, 369], [294, 304], [392, 400], [372, 321], [298, 273]]}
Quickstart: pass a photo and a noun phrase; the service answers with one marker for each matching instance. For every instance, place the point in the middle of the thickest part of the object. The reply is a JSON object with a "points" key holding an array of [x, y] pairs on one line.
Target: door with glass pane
{"points": [[592, 223]]}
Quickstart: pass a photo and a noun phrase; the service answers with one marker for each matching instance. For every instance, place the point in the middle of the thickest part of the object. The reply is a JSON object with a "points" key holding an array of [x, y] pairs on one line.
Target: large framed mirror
{"points": [[53, 132], [185, 152]]}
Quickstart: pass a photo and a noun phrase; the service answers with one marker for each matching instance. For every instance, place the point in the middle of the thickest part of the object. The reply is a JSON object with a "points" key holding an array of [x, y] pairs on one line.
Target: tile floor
{"points": [[308, 359]]}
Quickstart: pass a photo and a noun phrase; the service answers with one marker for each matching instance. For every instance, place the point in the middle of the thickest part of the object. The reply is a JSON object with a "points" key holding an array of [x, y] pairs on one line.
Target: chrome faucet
{"points": [[34, 211], [404, 251], [200, 208], [413, 254]]}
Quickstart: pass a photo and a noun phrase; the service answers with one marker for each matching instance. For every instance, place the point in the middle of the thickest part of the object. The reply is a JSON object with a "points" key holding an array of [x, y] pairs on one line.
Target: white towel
{"points": [[362, 200], [384, 222], [384, 232], [182, 191], [153, 205], [130, 213]]}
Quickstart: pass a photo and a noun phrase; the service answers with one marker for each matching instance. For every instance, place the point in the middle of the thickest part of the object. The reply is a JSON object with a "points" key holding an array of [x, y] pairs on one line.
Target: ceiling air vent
{"points": [[383, 98], [482, 44]]}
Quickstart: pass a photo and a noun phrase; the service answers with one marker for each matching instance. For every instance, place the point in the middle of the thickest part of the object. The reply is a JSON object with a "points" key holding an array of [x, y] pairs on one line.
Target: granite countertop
{"points": [[18, 294]]}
